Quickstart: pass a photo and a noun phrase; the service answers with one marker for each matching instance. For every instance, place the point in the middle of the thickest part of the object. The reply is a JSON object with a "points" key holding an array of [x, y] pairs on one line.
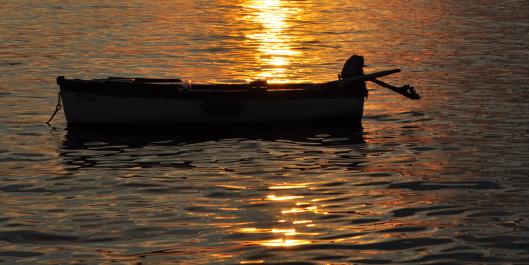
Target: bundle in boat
{"points": [[119, 100]]}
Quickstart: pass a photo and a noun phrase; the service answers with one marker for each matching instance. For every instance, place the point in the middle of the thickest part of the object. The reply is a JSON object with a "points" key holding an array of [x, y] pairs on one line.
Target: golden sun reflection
{"points": [[291, 229], [252, 261], [304, 209], [274, 49], [285, 242], [288, 186], [302, 222], [282, 198]]}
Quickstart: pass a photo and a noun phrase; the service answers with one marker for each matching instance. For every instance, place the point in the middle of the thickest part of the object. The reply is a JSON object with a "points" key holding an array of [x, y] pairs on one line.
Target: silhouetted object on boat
{"points": [[119, 100], [354, 66]]}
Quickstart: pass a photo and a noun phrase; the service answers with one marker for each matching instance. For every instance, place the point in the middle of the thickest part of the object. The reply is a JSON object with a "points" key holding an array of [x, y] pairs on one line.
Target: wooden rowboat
{"points": [[117, 100]]}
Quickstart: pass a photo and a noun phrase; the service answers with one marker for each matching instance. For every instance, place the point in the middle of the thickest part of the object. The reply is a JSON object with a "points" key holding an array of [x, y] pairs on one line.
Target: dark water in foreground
{"points": [[443, 180]]}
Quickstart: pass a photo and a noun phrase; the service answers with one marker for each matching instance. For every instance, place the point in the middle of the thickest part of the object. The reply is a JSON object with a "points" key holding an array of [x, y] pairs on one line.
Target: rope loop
{"points": [[57, 108]]}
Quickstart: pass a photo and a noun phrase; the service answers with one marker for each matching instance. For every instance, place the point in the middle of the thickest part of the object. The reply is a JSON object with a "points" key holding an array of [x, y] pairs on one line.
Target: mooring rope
{"points": [[57, 108]]}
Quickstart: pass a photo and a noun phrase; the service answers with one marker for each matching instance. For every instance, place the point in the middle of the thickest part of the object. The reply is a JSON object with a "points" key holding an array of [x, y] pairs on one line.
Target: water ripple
{"points": [[442, 180]]}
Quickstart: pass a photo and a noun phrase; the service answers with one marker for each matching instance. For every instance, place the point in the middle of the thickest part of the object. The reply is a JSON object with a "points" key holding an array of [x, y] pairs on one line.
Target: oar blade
{"points": [[406, 90], [409, 92]]}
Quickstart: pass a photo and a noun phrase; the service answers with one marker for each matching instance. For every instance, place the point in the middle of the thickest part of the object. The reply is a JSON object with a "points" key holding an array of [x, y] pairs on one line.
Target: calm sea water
{"points": [[443, 180]]}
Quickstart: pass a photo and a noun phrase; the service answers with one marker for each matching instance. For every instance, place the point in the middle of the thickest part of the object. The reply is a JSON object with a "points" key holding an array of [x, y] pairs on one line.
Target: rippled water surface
{"points": [[443, 180]]}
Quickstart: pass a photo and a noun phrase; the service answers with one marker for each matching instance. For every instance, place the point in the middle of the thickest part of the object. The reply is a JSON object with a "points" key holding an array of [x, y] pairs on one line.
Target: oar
{"points": [[350, 80], [368, 77], [406, 90]]}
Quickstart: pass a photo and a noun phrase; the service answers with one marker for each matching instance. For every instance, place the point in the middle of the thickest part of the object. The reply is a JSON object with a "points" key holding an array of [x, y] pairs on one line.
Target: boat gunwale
{"points": [[106, 87]]}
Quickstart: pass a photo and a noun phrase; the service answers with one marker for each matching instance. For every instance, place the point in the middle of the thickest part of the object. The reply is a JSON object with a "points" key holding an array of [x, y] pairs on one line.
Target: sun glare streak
{"points": [[293, 229], [282, 198], [301, 210], [288, 186], [252, 262], [285, 242], [302, 222], [274, 50]]}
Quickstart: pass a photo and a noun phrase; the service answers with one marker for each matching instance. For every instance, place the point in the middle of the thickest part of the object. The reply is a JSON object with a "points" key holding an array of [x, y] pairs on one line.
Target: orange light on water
{"points": [[290, 231], [300, 210], [285, 186], [285, 242], [273, 41], [302, 222], [252, 261], [282, 198]]}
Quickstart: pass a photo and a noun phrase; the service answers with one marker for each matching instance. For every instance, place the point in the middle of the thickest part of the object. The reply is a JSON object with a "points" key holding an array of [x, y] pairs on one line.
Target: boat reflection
{"points": [[177, 147], [77, 136]]}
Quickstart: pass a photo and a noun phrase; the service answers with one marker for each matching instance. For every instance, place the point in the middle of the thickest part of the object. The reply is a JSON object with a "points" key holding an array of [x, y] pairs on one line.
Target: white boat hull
{"points": [[82, 108]]}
